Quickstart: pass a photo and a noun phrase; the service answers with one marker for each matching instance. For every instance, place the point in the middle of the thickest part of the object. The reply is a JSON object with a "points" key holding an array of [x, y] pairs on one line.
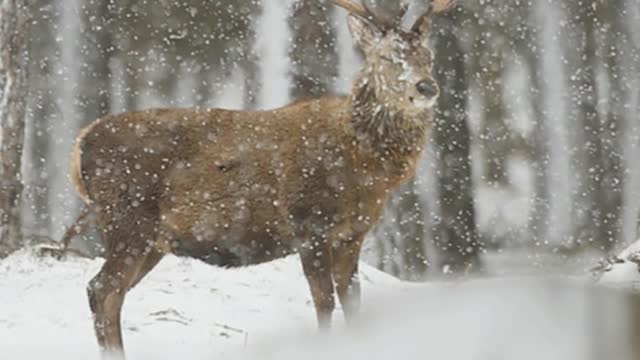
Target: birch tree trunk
{"points": [[14, 34]]}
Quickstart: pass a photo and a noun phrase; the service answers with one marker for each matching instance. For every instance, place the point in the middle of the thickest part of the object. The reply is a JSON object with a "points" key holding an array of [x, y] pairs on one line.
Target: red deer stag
{"points": [[235, 188]]}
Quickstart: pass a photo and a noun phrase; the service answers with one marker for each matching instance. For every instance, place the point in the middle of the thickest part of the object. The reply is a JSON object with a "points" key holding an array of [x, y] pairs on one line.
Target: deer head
{"points": [[398, 62]]}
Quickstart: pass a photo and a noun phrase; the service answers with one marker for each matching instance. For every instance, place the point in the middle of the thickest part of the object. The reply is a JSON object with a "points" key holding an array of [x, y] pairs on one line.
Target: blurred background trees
{"points": [[533, 151], [14, 54]]}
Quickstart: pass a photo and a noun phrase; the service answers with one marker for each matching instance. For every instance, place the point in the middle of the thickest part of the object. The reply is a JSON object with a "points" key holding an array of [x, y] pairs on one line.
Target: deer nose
{"points": [[427, 88]]}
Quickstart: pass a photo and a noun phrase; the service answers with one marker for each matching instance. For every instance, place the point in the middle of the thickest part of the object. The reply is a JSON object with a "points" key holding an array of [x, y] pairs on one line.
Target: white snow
{"points": [[182, 308], [624, 269], [191, 310]]}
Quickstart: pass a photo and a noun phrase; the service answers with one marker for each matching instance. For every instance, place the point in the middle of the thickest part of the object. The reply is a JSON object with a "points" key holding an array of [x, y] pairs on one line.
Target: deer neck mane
{"points": [[380, 129]]}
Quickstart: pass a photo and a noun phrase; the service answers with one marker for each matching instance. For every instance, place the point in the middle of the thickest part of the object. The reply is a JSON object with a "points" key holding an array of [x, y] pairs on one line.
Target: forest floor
{"points": [[191, 310]]}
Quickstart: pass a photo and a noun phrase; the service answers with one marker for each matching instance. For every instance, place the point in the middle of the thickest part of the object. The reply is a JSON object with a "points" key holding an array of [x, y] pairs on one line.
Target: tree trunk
{"points": [[581, 46], [250, 69], [539, 219], [95, 73], [495, 136], [401, 234], [315, 61], [250, 63], [540, 149], [42, 113], [14, 57], [131, 89], [616, 41], [454, 232]]}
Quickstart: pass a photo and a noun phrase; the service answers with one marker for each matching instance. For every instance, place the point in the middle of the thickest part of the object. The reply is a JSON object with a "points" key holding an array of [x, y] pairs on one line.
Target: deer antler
{"points": [[406, 13], [421, 10], [352, 7], [372, 10], [441, 6]]}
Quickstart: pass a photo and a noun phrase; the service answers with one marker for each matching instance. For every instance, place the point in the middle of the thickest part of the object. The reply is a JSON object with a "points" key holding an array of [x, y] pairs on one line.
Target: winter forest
{"points": [[531, 165]]}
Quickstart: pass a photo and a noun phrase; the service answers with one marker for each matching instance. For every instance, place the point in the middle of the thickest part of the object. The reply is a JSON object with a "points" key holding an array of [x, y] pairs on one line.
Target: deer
{"points": [[236, 188]]}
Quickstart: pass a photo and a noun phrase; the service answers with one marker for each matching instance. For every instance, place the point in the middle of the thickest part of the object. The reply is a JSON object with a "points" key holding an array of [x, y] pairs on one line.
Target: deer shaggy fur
{"points": [[236, 188]]}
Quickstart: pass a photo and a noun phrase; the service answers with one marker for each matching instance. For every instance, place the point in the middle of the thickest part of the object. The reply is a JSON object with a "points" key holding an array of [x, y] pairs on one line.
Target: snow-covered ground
{"points": [[623, 270], [184, 307], [190, 310]]}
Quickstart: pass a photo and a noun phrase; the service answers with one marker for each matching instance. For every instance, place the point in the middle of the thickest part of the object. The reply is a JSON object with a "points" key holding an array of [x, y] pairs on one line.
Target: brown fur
{"points": [[236, 188]]}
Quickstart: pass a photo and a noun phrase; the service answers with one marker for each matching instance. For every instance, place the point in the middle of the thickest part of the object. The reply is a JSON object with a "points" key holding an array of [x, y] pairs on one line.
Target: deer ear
{"points": [[364, 32], [422, 27]]}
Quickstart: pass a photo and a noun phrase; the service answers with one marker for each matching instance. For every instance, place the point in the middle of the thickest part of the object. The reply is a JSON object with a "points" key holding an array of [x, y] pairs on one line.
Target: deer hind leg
{"points": [[128, 259], [316, 263], [345, 275]]}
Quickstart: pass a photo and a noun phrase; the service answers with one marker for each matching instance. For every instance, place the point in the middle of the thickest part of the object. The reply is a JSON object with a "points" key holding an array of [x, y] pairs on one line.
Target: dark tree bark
{"points": [[454, 231], [615, 49], [539, 218], [204, 88], [486, 70], [402, 233], [130, 80], [530, 46], [14, 58], [129, 45], [411, 218], [42, 113], [251, 70], [97, 50], [249, 61], [581, 48], [314, 58], [495, 136]]}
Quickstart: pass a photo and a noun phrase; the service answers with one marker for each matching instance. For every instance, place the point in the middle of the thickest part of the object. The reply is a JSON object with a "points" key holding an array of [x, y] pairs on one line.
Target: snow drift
{"points": [[187, 309]]}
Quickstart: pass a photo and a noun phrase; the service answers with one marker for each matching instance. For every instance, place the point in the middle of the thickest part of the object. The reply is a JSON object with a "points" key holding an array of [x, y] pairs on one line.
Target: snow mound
{"points": [[485, 319], [622, 270]]}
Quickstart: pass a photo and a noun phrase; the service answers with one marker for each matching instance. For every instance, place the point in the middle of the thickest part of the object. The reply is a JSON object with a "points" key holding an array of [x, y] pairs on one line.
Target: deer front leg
{"points": [[316, 263], [345, 274]]}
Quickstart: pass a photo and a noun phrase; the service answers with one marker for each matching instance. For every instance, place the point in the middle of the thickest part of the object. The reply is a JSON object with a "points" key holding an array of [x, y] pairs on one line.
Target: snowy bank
{"points": [[189, 309], [183, 308]]}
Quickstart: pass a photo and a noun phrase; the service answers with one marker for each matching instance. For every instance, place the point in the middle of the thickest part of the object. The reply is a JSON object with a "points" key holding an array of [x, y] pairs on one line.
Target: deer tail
{"points": [[77, 228], [77, 179]]}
